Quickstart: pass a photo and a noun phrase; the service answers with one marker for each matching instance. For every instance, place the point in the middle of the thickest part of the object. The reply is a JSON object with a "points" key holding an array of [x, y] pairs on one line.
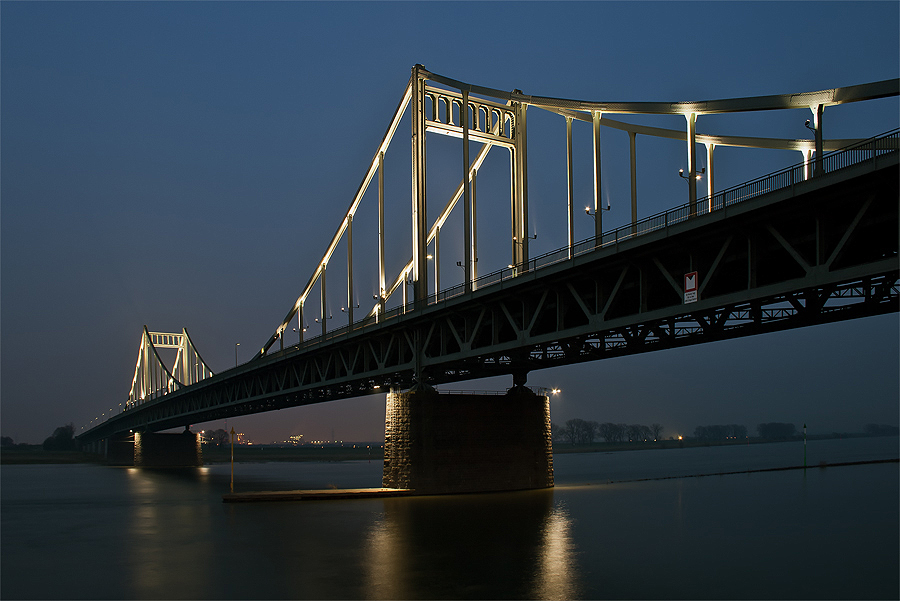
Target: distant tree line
{"points": [[62, 439], [720, 432], [7, 442], [217, 437], [579, 431], [770, 430], [880, 430], [776, 430]]}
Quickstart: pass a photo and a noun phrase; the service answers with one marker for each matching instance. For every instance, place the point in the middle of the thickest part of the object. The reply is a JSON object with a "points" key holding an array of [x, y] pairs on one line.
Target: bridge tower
{"points": [[153, 380]]}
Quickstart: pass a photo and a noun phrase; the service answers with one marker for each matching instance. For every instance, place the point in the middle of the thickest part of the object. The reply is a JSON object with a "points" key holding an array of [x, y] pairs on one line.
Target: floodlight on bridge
{"points": [[698, 175], [593, 214]]}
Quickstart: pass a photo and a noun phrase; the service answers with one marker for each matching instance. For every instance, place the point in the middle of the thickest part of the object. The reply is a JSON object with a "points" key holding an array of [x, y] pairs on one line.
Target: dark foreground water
{"points": [[84, 531]]}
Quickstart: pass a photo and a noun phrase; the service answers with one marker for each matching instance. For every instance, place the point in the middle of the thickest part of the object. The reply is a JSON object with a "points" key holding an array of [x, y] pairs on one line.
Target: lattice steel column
{"points": [[692, 161], [598, 201], [324, 301], [467, 194], [182, 362], [474, 225], [570, 179], [381, 290], [710, 185], [519, 165], [817, 111], [437, 261], [146, 384], [633, 157], [419, 220], [350, 270], [300, 328]]}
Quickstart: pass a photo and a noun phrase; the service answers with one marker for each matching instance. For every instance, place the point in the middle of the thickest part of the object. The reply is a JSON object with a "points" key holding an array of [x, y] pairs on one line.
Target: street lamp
{"points": [[687, 178], [236, 344], [587, 210]]}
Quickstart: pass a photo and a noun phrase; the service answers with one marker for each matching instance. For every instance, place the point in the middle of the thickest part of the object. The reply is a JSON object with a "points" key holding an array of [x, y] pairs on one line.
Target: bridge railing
{"points": [[867, 150]]}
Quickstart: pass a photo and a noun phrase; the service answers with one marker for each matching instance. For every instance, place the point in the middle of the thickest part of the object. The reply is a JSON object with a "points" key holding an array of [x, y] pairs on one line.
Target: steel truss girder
{"points": [[827, 256], [824, 255]]}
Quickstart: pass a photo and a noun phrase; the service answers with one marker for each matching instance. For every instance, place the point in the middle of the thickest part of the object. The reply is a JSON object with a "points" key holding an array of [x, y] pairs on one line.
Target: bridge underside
{"points": [[820, 253]]}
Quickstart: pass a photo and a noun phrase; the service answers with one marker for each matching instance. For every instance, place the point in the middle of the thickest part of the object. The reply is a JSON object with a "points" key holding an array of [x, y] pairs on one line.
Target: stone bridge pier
{"points": [[456, 443], [150, 449]]}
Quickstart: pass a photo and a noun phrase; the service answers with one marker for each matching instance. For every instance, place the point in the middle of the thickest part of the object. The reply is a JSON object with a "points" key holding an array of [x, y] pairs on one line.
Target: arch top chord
{"points": [[828, 97]]}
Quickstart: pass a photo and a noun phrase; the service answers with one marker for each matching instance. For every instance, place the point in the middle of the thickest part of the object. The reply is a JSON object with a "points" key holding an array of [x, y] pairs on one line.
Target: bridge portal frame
{"points": [[152, 378]]}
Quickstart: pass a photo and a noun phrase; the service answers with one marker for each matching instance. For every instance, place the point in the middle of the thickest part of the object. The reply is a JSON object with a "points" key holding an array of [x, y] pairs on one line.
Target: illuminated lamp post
{"points": [[692, 187]]}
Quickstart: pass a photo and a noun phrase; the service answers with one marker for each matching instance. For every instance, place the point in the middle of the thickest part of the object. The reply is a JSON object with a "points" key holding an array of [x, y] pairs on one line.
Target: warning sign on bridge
{"points": [[690, 287]]}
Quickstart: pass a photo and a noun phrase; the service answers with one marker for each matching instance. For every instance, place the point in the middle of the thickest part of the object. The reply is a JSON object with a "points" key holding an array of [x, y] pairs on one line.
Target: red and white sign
{"points": [[691, 284]]}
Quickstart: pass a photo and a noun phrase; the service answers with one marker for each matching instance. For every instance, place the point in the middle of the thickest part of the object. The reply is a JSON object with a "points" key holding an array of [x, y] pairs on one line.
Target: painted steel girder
{"points": [[807, 253], [822, 256]]}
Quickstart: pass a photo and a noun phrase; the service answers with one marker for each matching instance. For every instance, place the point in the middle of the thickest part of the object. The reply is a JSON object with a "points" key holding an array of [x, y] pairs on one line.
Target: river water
{"points": [[604, 532]]}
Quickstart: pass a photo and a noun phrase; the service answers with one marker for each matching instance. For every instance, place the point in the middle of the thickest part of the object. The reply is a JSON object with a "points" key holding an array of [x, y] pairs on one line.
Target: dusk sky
{"points": [[186, 164]]}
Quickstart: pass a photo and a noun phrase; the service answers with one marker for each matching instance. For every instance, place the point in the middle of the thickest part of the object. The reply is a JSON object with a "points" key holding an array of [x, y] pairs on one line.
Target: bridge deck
{"points": [[792, 254]]}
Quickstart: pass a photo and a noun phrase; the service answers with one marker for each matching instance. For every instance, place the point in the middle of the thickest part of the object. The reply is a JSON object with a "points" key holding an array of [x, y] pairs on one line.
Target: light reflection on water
{"points": [[166, 528], [129, 533], [514, 545], [556, 578]]}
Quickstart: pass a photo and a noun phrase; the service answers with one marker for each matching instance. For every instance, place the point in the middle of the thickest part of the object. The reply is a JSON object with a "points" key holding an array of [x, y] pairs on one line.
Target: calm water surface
{"points": [[85, 531]]}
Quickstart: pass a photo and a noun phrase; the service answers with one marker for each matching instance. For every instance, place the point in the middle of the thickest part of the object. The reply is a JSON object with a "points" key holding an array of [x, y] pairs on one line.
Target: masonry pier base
{"points": [[459, 443], [150, 449], [153, 449], [118, 450]]}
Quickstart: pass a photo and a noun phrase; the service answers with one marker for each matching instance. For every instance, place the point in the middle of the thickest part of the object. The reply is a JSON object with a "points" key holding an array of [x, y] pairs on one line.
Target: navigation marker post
{"points": [[232, 458], [804, 446]]}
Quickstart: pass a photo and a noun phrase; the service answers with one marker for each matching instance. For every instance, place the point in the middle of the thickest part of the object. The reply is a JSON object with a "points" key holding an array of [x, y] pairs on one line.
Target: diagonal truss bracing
{"points": [[801, 246], [811, 254]]}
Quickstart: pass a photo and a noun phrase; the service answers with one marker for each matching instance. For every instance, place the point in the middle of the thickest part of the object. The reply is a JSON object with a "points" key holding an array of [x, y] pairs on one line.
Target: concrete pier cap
{"points": [[458, 442]]}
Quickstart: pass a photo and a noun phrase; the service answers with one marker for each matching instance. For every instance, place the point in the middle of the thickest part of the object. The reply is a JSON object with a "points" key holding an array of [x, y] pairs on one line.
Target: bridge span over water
{"points": [[813, 243]]}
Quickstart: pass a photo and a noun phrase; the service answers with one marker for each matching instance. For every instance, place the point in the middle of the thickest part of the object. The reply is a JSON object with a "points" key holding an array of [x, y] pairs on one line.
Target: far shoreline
{"points": [[367, 451]]}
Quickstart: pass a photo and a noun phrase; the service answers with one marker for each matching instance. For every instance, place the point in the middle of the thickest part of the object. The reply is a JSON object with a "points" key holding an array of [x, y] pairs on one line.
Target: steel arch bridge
{"points": [[813, 243]]}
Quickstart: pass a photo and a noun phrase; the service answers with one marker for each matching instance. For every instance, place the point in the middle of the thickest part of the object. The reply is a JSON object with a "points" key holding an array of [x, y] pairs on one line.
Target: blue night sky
{"points": [[186, 164]]}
